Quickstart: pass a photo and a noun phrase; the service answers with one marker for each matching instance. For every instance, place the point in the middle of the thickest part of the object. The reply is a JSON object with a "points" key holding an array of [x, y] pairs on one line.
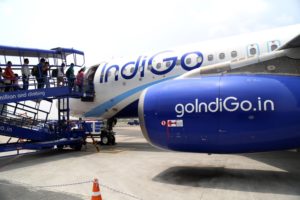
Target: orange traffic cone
{"points": [[96, 190]]}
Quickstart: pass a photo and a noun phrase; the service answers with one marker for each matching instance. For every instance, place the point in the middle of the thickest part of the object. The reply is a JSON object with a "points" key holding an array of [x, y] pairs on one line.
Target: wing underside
{"points": [[294, 43]]}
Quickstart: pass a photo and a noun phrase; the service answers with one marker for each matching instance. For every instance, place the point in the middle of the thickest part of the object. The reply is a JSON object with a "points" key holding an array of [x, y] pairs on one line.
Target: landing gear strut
{"points": [[107, 135]]}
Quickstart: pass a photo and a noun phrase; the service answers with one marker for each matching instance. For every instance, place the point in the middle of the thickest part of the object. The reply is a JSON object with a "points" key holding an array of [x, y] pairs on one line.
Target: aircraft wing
{"points": [[293, 43]]}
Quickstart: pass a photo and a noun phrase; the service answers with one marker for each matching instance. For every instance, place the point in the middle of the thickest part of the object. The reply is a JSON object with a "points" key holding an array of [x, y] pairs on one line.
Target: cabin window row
{"points": [[234, 54], [222, 56]]}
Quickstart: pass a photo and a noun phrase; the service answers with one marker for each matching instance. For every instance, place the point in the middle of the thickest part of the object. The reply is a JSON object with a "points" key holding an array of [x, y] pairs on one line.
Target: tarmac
{"points": [[133, 169]]}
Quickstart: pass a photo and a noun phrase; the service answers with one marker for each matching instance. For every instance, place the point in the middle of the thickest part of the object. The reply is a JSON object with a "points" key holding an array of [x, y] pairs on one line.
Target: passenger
{"points": [[45, 74], [80, 124], [25, 74], [79, 80], [9, 77], [39, 73], [16, 85], [60, 75], [1, 81], [70, 76]]}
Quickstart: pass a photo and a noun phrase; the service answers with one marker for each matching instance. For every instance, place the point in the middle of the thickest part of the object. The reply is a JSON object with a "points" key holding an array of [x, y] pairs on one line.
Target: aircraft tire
{"points": [[105, 139], [112, 139]]}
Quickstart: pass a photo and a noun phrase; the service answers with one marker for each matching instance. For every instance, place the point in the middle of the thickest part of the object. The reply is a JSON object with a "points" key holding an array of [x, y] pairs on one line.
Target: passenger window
{"points": [[168, 64], [222, 56], [188, 61], [131, 69], [210, 57], [158, 66], [252, 51], [273, 47], [233, 54], [199, 59]]}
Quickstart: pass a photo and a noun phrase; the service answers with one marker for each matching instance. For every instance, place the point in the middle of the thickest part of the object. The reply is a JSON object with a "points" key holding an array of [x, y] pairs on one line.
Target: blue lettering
{"points": [[124, 68], [143, 67], [102, 73], [188, 61], [172, 65], [108, 70], [199, 63], [136, 67], [154, 71]]}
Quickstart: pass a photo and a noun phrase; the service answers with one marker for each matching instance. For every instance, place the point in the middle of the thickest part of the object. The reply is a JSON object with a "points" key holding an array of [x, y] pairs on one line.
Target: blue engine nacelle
{"points": [[223, 114]]}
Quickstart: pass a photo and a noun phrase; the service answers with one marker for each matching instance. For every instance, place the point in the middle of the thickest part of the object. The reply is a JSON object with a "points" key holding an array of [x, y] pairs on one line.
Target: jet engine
{"points": [[223, 113]]}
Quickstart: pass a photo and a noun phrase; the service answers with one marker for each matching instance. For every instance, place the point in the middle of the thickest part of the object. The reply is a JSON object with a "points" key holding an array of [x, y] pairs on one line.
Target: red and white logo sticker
{"points": [[175, 123], [163, 123]]}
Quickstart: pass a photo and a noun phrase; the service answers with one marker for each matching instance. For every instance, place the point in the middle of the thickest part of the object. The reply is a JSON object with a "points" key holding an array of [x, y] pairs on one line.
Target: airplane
{"points": [[183, 106]]}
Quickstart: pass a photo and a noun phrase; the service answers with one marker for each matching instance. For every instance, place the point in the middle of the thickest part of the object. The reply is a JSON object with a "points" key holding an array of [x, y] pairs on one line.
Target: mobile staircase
{"points": [[24, 114]]}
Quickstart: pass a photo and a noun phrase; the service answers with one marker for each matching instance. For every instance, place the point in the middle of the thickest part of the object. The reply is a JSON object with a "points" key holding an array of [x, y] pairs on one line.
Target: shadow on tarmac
{"points": [[232, 179], [132, 146], [9, 191], [19, 161], [249, 180]]}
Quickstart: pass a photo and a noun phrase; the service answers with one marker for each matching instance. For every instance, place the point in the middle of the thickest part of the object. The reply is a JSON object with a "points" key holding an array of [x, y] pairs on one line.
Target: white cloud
{"points": [[116, 27], [283, 18]]}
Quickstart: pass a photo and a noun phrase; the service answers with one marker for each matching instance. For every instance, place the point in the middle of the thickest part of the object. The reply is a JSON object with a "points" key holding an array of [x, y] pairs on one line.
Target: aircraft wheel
{"points": [[104, 139], [112, 140]]}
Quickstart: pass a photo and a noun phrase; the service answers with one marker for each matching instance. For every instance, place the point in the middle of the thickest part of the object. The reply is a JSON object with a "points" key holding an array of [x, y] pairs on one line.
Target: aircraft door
{"points": [[88, 84]]}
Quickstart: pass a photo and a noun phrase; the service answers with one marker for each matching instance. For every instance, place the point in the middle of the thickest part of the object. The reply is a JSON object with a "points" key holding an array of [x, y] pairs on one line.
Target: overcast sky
{"points": [[105, 28]]}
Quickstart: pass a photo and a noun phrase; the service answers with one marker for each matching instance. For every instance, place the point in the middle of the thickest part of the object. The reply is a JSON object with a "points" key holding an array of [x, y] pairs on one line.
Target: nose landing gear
{"points": [[107, 134], [107, 138]]}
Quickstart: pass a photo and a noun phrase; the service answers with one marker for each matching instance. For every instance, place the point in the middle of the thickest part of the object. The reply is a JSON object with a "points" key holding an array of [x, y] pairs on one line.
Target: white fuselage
{"points": [[119, 82]]}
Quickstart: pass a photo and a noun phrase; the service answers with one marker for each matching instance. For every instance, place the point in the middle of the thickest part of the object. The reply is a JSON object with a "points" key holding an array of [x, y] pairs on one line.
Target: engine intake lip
{"points": [[142, 117]]}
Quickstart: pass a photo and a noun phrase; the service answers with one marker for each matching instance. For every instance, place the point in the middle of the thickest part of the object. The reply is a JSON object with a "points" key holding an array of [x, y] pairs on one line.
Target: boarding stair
{"points": [[20, 118], [24, 114]]}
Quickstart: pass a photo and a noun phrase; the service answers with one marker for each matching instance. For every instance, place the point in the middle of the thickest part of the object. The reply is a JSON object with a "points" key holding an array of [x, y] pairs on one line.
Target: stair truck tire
{"points": [[77, 147], [60, 147]]}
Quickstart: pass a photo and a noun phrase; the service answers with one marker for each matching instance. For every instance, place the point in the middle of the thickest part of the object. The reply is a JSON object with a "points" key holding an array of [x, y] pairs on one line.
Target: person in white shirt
{"points": [[25, 74], [60, 75]]}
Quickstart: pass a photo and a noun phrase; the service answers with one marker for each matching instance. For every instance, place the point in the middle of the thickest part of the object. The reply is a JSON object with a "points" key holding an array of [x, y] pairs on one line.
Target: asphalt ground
{"points": [[133, 169]]}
